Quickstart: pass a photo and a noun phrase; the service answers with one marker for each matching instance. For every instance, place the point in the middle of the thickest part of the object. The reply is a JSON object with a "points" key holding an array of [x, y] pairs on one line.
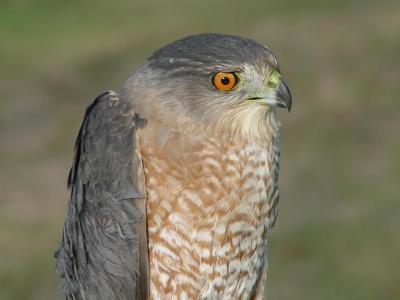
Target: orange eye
{"points": [[224, 81]]}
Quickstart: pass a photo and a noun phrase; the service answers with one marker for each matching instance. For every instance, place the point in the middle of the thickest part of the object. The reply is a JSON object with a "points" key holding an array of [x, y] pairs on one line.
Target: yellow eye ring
{"points": [[224, 81]]}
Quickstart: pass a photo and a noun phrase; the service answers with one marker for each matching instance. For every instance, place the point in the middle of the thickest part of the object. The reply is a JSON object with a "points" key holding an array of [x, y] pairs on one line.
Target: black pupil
{"points": [[225, 80]]}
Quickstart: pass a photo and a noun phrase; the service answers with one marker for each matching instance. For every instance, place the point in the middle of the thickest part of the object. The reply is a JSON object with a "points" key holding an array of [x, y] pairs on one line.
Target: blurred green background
{"points": [[337, 235]]}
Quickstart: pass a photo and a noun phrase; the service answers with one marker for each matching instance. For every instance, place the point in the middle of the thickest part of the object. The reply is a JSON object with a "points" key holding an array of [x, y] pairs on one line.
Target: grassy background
{"points": [[337, 235]]}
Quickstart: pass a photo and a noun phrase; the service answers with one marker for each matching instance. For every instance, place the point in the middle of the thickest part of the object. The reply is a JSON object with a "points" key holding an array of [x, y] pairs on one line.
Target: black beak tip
{"points": [[289, 107], [284, 96]]}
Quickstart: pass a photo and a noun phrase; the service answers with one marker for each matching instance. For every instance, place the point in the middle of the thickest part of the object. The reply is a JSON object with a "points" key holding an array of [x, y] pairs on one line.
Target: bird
{"points": [[174, 180]]}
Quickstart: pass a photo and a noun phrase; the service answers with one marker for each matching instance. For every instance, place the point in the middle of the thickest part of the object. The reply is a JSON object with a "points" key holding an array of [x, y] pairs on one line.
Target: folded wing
{"points": [[103, 249]]}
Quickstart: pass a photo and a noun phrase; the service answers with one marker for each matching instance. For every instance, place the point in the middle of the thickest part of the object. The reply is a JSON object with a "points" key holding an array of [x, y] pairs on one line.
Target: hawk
{"points": [[174, 183]]}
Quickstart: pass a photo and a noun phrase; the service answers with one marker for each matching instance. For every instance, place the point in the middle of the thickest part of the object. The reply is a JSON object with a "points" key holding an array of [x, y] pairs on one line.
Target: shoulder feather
{"points": [[102, 244]]}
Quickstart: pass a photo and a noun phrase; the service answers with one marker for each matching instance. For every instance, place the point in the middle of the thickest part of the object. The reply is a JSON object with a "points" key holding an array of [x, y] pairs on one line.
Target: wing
{"points": [[103, 249]]}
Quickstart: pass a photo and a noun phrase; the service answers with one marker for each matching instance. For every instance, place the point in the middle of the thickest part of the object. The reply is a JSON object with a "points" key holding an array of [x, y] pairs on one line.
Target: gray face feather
{"points": [[177, 79]]}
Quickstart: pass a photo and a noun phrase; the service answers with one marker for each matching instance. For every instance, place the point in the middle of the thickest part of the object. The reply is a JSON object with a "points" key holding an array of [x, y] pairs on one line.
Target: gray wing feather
{"points": [[103, 249]]}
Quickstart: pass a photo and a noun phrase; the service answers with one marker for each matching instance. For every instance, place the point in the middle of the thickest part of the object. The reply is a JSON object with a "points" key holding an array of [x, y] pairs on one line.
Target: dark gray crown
{"points": [[211, 49]]}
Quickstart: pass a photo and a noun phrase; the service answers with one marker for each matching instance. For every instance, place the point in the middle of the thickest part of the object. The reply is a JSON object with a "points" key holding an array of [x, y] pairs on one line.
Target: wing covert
{"points": [[103, 249]]}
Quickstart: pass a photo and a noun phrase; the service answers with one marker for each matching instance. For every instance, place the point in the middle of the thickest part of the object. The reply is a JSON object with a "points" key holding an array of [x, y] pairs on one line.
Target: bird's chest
{"points": [[209, 211]]}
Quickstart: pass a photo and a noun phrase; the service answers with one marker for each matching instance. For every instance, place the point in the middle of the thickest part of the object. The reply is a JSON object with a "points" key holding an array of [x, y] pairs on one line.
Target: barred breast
{"points": [[211, 202]]}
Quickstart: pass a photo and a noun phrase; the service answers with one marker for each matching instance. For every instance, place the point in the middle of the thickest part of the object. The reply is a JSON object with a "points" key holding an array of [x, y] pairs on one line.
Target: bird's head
{"points": [[211, 78]]}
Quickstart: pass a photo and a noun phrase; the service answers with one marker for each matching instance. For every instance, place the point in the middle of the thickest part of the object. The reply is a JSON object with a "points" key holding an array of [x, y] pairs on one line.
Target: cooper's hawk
{"points": [[174, 181]]}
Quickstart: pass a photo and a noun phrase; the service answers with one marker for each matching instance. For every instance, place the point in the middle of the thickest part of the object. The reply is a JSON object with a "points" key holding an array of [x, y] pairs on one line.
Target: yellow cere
{"points": [[273, 78]]}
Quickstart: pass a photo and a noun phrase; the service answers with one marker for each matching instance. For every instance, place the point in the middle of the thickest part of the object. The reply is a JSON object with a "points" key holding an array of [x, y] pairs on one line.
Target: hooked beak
{"points": [[279, 96], [283, 96]]}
